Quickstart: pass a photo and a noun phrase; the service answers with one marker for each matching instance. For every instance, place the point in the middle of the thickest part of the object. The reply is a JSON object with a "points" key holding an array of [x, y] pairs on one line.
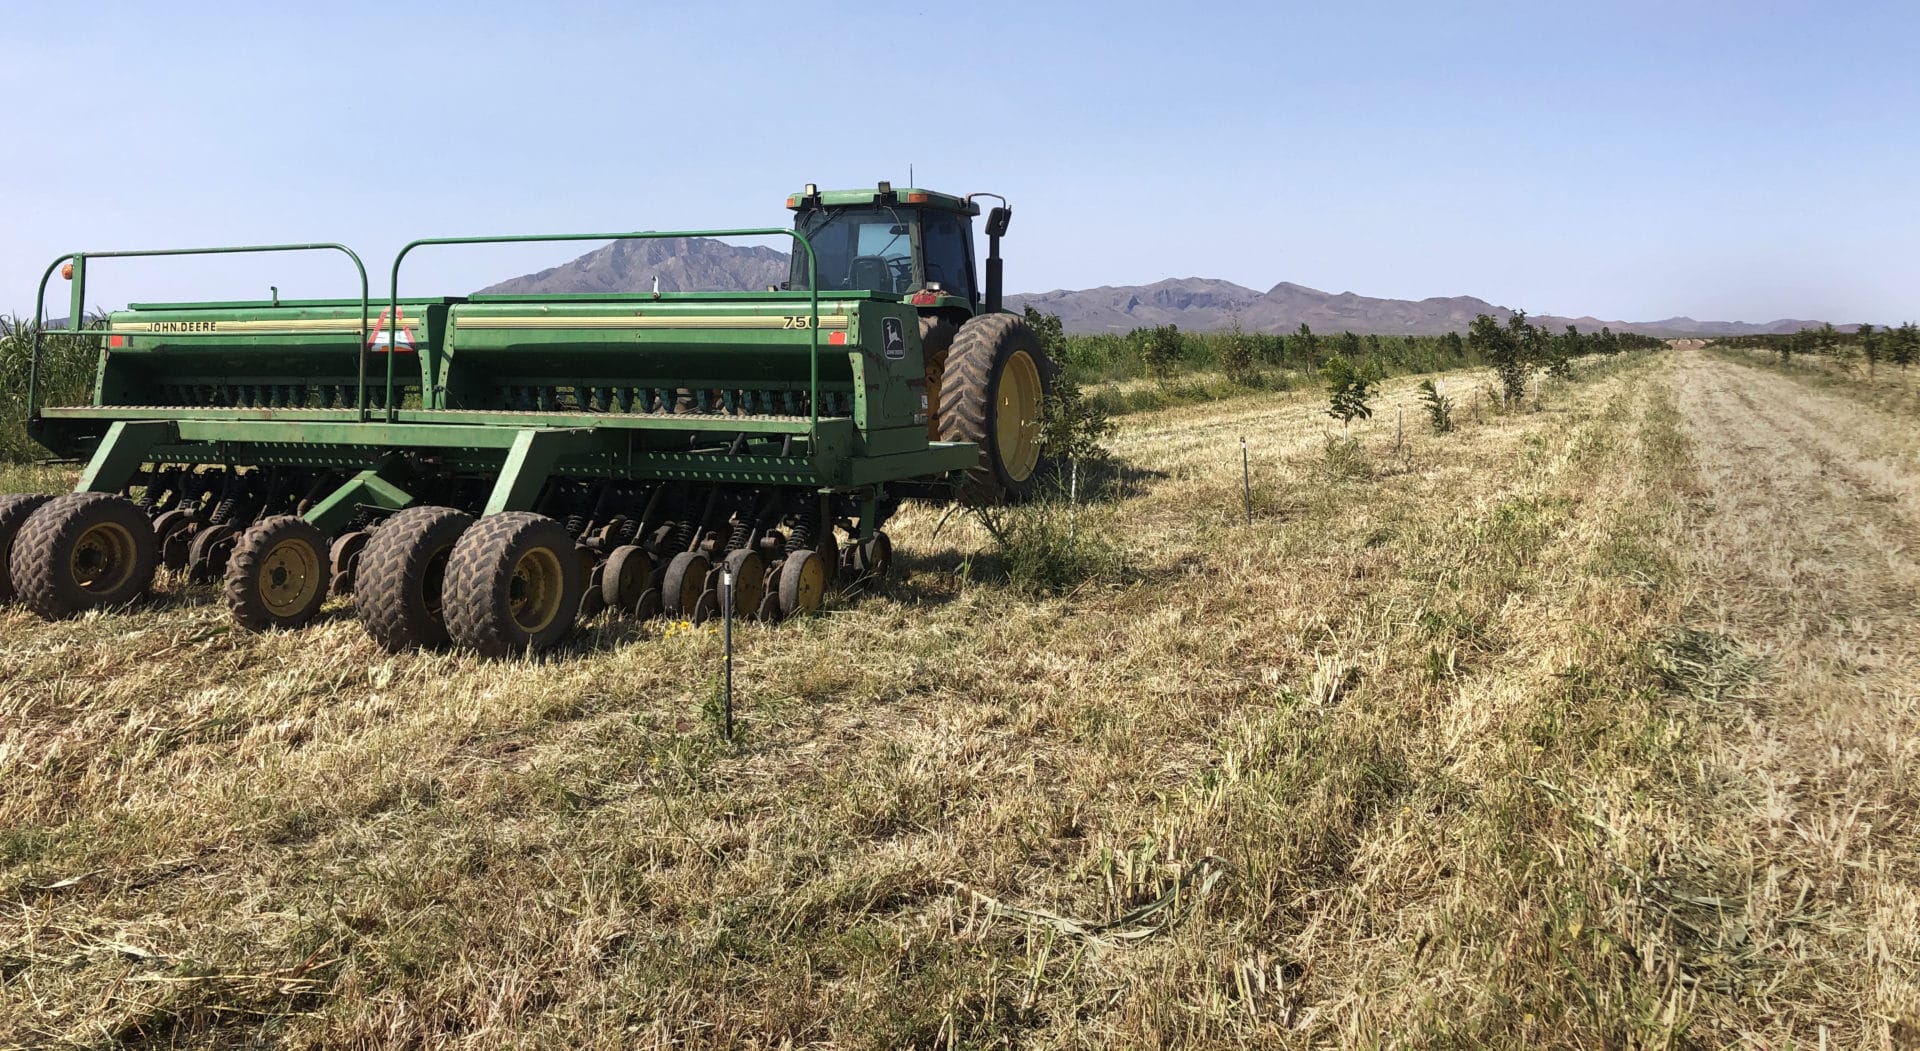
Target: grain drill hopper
{"points": [[486, 470]]}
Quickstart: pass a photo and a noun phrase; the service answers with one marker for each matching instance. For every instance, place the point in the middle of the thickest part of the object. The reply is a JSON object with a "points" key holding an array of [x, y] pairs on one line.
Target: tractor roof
{"points": [[882, 194]]}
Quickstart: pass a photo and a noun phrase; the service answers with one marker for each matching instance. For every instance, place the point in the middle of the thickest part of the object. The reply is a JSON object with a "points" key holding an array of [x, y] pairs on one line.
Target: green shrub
{"points": [[1439, 407], [1234, 352], [1074, 427], [1161, 349], [1347, 390], [1048, 330]]}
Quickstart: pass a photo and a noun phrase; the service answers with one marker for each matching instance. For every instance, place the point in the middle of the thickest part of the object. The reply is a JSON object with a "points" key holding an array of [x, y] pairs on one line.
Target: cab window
{"points": [[857, 249], [948, 243]]}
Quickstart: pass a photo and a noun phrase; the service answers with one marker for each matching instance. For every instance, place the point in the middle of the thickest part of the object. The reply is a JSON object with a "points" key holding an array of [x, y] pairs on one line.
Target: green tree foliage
{"points": [[1160, 347], [1899, 345], [1072, 427], [1348, 390], [1171, 354], [1235, 354], [1501, 346], [1536, 343], [1306, 342], [1824, 340], [1052, 336], [1869, 339], [1903, 344], [1519, 348]]}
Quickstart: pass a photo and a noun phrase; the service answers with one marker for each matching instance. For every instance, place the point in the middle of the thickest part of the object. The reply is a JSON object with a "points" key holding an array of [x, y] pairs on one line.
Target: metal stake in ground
{"points": [[1246, 479], [1073, 498], [726, 642]]}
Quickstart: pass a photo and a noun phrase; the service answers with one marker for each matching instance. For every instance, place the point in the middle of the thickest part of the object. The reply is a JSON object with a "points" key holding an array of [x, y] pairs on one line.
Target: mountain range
{"points": [[683, 264], [1197, 303]]}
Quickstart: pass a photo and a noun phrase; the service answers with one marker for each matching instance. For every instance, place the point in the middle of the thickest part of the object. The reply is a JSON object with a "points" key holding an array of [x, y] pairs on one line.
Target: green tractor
{"points": [[987, 378], [488, 469]]}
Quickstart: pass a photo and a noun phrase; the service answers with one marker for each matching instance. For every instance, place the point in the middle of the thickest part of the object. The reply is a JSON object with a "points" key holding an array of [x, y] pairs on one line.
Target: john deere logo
{"points": [[894, 338]]}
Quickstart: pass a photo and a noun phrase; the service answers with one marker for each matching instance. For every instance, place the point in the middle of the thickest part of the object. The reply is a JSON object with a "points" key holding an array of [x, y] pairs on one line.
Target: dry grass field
{"points": [[1592, 726]]}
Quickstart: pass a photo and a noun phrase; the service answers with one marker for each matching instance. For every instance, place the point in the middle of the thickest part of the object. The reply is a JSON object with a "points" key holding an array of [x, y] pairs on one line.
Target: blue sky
{"points": [[1630, 160]]}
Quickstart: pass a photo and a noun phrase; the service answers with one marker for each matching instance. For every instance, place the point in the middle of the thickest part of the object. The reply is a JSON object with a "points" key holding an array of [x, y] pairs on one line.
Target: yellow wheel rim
{"points": [[813, 586], [749, 584], [102, 559], [534, 593], [636, 576], [1017, 416], [289, 577], [693, 584]]}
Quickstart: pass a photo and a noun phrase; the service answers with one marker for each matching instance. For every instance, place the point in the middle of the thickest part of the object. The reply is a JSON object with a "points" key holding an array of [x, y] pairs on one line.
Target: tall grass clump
{"points": [[1042, 542], [1051, 545], [66, 377], [1342, 459]]}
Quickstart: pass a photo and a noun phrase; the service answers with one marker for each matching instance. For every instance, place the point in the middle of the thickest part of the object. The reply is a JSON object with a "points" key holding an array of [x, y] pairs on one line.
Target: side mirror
{"points": [[997, 221]]}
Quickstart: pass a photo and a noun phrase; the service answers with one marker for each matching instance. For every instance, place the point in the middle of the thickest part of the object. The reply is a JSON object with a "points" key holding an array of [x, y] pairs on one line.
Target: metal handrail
{"points": [[813, 288], [79, 298]]}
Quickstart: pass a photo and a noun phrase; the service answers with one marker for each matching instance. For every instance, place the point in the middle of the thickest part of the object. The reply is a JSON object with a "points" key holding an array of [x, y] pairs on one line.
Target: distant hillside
{"points": [[1200, 303], [1203, 303], [1197, 303], [693, 264]]}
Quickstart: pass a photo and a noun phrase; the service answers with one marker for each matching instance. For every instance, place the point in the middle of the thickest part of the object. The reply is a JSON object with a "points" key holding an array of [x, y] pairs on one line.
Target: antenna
{"points": [[909, 173]]}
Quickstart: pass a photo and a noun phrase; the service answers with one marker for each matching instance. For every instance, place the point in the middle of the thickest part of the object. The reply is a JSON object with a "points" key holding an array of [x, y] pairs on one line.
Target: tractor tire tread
{"points": [[396, 554], [15, 509], [33, 566], [237, 588], [479, 573], [967, 391]]}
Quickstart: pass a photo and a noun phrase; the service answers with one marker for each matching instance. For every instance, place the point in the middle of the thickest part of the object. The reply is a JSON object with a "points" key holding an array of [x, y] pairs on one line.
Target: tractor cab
{"points": [[909, 243]]}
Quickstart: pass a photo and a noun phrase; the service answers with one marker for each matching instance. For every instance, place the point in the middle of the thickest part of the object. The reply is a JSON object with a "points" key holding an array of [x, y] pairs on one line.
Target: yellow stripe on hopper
{"points": [[601, 322]]}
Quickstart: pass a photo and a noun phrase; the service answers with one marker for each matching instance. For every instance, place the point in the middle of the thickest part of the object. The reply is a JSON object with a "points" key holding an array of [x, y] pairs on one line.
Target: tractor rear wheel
{"points": [[514, 584], [398, 582], [936, 339], [277, 575], [15, 508], [82, 550], [993, 392]]}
